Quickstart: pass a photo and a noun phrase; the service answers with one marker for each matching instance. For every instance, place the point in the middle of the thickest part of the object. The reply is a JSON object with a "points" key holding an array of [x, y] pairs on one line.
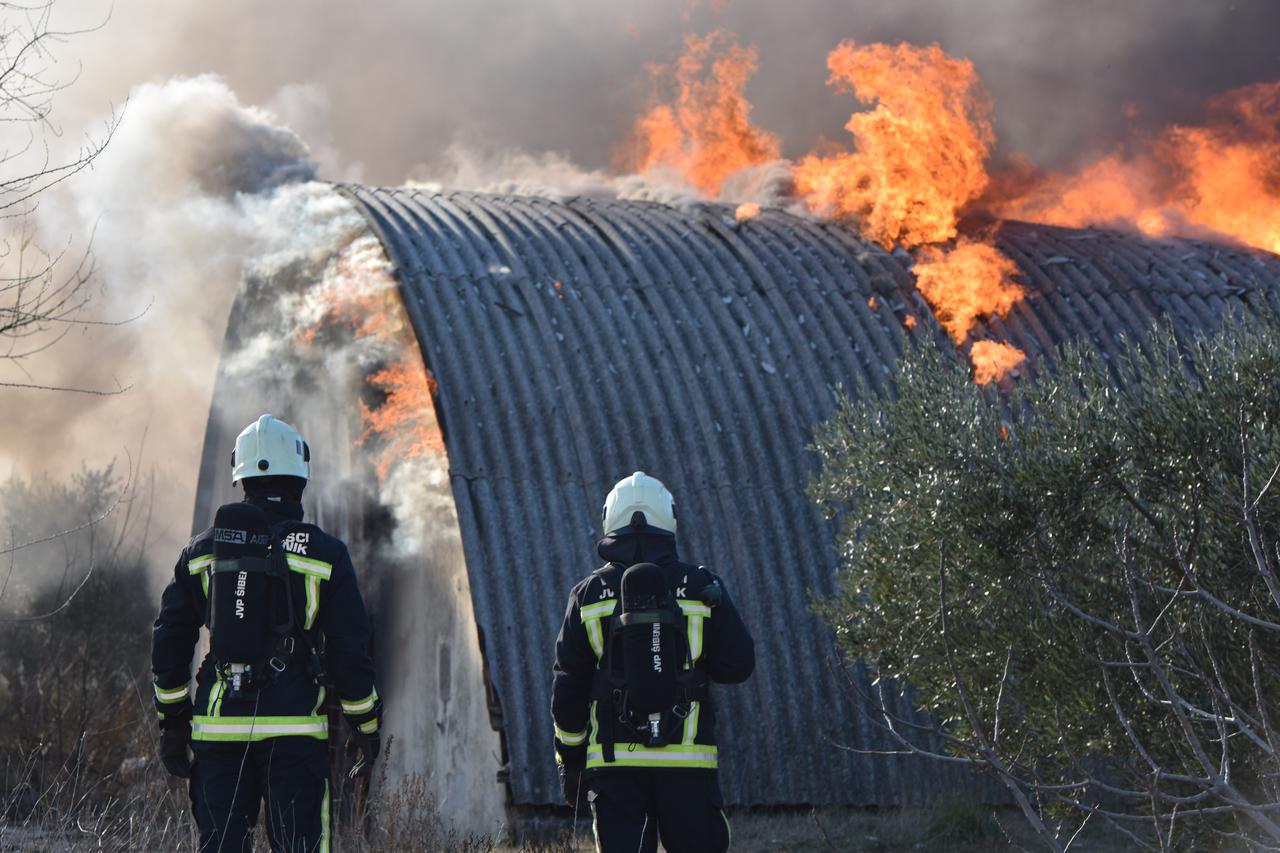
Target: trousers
{"points": [[632, 809], [231, 780]]}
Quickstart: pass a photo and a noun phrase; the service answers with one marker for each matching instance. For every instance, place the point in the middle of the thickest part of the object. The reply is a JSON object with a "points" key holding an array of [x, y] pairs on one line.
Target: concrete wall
{"points": [[438, 719]]}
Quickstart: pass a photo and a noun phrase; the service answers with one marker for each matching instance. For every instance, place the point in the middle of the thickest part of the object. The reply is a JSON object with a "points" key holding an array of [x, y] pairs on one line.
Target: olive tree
{"points": [[1079, 577]]}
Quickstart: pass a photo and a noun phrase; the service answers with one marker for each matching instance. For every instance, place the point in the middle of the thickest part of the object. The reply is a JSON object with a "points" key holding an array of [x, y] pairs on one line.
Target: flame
{"points": [[360, 300], [970, 280], [746, 210], [404, 420], [909, 321], [918, 156], [1219, 177], [356, 299], [993, 361], [706, 134]]}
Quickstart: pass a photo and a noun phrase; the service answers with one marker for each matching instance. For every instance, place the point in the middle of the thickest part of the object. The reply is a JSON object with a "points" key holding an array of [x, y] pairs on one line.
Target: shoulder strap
{"points": [[291, 628]]}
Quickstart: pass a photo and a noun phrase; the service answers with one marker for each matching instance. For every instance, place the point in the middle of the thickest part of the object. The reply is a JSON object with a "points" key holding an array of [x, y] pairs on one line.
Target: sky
{"points": [[184, 199], [381, 90]]}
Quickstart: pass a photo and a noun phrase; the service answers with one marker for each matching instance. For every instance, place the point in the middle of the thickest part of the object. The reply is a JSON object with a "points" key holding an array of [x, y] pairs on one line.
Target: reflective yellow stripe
{"points": [[595, 636], [591, 616], [368, 727], [360, 706], [324, 820], [204, 583], [691, 723], [634, 755], [694, 612], [199, 564], [215, 696], [599, 609], [257, 728], [315, 711], [595, 725], [309, 566], [571, 738], [313, 600], [693, 608], [175, 695]]}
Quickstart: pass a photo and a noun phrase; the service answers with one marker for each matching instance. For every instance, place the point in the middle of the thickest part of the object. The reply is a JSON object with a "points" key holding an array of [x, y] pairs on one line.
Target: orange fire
{"points": [[705, 134], [401, 421], [918, 157], [357, 302], [1216, 178], [746, 210], [992, 361], [970, 280]]}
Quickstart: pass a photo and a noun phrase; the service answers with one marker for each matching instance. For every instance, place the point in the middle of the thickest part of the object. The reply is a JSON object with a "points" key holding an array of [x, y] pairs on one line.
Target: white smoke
{"points": [[201, 200], [195, 191], [197, 187], [473, 167]]}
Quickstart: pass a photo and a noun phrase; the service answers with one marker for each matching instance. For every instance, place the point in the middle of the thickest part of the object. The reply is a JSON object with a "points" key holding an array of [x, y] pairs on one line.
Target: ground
{"points": [[955, 826]]}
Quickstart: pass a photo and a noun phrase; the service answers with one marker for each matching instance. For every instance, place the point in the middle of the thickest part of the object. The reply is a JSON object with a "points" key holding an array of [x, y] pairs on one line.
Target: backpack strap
{"points": [[608, 687], [289, 631], [609, 690]]}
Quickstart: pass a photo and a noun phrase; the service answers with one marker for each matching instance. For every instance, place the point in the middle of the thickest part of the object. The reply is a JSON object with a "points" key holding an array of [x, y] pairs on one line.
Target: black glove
{"points": [[370, 746], [571, 786], [173, 749]]}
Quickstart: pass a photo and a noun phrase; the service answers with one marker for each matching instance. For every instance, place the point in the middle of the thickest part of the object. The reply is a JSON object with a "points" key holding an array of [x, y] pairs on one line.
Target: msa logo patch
{"points": [[226, 534], [296, 543]]}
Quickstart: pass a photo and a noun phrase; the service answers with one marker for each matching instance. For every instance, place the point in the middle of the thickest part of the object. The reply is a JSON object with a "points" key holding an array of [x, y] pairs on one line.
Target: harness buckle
{"points": [[277, 664], [681, 711], [619, 702]]}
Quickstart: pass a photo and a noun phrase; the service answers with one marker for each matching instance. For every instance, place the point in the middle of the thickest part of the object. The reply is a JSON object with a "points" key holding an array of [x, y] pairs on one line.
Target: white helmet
{"points": [[639, 493], [269, 447]]}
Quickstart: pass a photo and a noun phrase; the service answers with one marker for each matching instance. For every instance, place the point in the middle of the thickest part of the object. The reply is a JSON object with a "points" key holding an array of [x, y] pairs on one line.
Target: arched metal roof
{"points": [[576, 341]]}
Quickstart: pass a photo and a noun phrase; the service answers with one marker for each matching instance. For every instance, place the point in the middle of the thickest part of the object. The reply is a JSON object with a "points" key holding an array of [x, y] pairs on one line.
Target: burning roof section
{"points": [[574, 342]]}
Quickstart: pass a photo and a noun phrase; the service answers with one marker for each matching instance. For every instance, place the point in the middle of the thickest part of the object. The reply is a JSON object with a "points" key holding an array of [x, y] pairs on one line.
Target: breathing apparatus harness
{"points": [[251, 641], [647, 680]]}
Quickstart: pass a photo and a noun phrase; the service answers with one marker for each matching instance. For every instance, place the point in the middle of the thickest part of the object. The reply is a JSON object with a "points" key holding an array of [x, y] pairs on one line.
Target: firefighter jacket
{"points": [[718, 645], [331, 615]]}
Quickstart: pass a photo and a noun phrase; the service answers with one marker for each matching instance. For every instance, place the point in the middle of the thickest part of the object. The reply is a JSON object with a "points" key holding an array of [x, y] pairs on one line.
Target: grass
{"points": [[952, 825], [63, 807]]}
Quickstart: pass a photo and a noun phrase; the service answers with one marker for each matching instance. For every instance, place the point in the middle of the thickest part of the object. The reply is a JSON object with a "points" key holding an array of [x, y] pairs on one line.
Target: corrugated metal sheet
{"points": [[576, 341]]}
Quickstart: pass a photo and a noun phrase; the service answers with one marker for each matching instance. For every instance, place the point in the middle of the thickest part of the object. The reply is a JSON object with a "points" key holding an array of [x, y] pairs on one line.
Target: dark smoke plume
{"points": [[198, 186], [404, 80]]}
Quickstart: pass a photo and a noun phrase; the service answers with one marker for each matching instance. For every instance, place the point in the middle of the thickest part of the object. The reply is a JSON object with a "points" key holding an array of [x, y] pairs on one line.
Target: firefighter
{"points": [[642, 638], [280, 600]]}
